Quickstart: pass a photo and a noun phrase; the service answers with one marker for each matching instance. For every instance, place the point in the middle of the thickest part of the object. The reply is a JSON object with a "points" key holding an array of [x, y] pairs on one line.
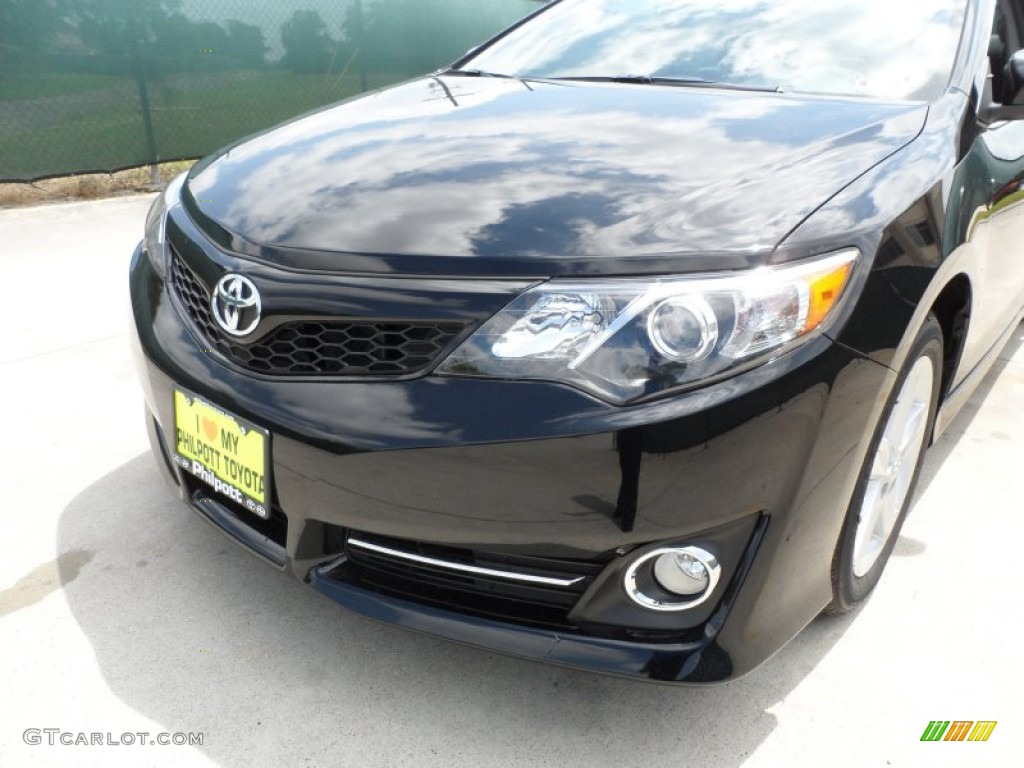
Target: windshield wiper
{"points": [[482, 73], [679, 82]]}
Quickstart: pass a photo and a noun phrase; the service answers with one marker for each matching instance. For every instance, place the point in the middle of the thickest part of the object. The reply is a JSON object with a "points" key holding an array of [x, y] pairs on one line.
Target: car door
{"points": [[991, 182]]}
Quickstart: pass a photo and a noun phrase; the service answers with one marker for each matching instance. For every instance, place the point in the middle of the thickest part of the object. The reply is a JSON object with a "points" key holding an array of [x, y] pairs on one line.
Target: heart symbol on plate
{"points": [[210, 428]]}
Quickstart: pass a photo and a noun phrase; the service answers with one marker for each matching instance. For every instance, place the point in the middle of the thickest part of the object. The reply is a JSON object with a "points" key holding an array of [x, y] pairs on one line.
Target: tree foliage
{"points": [[109, 25], [246, 44], [411, 36], [308, 46], [26, 26]]}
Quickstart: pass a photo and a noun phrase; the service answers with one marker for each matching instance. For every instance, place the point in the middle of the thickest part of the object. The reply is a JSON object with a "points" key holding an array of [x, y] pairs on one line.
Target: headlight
{"points": [[156, 224], [625, 339]]}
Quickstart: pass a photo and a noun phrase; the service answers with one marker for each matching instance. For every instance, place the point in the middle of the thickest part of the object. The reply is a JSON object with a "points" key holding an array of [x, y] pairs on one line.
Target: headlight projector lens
{"points": [[683, 329]]}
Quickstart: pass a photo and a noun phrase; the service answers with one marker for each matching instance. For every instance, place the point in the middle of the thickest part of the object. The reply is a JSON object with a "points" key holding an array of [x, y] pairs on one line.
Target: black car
{"points": [[617, 344]]}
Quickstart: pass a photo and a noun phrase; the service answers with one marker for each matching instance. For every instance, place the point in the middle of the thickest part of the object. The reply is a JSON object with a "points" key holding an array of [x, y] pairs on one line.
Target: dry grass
{"points": [[87, 187]]}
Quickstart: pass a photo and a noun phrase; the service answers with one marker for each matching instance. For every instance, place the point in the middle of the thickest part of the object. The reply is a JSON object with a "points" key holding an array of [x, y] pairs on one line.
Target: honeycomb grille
{"points": [[319, 347]]}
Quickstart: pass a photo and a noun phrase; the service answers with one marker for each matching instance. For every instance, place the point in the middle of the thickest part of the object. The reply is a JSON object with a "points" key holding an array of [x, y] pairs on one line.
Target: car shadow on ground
{"points": [[197, 635]]}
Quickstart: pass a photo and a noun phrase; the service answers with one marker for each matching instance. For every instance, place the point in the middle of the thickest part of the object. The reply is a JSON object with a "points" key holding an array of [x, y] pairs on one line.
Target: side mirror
{"points": [[1012, 107], [1015, 79]]}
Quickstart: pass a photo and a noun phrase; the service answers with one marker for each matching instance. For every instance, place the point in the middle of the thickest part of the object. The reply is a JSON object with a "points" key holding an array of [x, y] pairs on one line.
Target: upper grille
{"points": [[319, 347]]}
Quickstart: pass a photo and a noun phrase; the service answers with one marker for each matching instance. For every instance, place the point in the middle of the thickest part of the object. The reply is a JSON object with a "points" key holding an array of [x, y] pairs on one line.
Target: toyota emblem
{"points": [[236, 305]]}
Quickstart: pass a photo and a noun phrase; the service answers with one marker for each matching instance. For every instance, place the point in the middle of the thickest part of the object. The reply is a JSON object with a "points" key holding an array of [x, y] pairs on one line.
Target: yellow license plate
{"points": [[225, 452]]}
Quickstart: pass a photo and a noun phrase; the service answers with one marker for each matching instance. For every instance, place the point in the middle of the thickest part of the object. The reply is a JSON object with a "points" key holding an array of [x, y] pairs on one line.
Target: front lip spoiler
{"points": [[699, 661], [682, 662]]}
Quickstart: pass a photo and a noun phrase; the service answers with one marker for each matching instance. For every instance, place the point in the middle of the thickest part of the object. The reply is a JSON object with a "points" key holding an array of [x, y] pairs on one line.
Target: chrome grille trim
{"points": [[523, 578]]}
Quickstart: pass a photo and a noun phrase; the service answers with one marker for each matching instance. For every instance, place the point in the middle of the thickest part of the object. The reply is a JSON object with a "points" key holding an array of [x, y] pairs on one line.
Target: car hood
{"points": [[479, 175]]}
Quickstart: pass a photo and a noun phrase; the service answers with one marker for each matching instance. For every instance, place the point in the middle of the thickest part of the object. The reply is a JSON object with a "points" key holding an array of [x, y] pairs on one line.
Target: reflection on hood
{"points": [[499, 169]]}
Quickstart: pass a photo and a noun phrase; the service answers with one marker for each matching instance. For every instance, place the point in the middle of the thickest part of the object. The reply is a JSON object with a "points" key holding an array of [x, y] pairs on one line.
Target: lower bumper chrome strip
{"points": [[525, 578]]}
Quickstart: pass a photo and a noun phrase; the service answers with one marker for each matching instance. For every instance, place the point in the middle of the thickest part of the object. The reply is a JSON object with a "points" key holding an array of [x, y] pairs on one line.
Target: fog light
{"points": [[681, 573], [672, 578]]}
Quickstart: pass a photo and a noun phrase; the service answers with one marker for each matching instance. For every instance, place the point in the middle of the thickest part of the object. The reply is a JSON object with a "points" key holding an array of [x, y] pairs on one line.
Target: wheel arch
{"points": [[952, 308]]}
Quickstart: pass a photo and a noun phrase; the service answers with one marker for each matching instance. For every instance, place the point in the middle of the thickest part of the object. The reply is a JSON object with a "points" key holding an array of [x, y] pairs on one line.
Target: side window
{"points": [[1005, 41]]}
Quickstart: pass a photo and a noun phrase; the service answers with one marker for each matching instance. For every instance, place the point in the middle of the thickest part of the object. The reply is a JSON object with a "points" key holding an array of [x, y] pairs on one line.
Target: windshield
{"points": [[887, 49]]}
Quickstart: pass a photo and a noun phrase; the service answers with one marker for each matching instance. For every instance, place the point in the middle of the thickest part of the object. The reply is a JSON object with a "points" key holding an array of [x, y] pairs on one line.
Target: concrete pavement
{"points": [[121, 612]]}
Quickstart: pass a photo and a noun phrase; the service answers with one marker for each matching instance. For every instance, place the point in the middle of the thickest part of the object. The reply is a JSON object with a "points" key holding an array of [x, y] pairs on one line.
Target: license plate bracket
{"points": [[228, 453]]}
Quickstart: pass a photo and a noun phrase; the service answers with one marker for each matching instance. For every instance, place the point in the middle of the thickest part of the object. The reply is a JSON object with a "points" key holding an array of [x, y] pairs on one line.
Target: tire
{"points": [[887, 481]]}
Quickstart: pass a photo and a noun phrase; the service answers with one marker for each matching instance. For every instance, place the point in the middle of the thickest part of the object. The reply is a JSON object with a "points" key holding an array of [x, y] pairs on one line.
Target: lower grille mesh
{"points": [[493, 598]]}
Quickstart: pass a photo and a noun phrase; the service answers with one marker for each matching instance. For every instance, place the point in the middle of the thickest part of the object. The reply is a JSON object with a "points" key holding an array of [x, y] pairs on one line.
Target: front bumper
{"points": [[759, 467]]}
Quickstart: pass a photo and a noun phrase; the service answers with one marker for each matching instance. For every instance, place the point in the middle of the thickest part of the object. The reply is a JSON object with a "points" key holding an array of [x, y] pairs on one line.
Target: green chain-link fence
{"points": [[101, 85]]}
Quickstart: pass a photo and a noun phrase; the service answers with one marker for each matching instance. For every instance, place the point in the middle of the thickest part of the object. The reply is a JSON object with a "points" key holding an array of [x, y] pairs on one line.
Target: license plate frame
{"points": [[214, 445]]}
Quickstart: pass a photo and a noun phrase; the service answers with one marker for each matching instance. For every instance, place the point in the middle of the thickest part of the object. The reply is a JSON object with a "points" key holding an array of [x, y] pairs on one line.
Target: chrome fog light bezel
{"points": [[642, 568]]}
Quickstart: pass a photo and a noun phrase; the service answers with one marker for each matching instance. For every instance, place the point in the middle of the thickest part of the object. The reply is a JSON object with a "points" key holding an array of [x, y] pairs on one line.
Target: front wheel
{"points": [[885, 488]]}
